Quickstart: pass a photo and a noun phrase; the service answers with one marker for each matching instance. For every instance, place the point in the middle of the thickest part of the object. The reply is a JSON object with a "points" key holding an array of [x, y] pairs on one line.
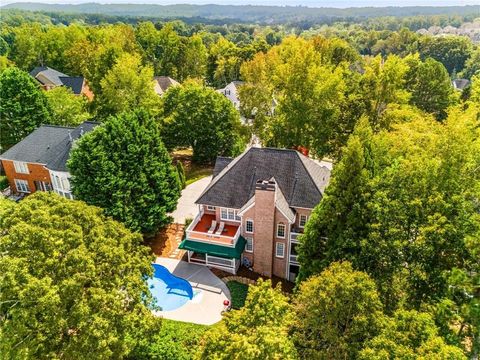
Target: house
{"points": [[162, 83], [39, 162], [460, 84], [253, 211], [50, 78], [231, 93]]}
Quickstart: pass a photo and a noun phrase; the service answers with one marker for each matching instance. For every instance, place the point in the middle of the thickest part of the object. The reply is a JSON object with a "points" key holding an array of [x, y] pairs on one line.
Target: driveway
{"points": [[186, 207]]}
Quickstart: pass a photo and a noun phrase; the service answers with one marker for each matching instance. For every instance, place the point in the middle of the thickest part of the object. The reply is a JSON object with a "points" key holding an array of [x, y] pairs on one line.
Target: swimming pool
{"points": [[170, 291]]}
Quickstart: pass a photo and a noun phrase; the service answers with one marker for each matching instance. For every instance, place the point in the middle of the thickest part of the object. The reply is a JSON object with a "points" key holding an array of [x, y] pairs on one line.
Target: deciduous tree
{"points": [[123, 167], [72, 281], [68, 109], [23, 106]]}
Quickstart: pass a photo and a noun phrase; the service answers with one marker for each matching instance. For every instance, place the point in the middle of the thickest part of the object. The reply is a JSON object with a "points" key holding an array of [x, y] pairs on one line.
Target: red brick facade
{"points": [[37, 172]]}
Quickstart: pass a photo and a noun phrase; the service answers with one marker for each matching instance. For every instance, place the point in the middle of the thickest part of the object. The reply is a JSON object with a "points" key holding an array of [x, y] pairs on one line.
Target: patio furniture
{"points": [[212, 227], [220, 228]]}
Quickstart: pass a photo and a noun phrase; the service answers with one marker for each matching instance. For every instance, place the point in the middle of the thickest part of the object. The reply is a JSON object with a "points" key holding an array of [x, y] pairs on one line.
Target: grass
{"points": [[239, 292], [193, 172]]}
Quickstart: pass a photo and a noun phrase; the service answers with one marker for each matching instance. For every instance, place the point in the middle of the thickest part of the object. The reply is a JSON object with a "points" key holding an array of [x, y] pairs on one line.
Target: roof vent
{"points": [[81, 130], [70, 136]]}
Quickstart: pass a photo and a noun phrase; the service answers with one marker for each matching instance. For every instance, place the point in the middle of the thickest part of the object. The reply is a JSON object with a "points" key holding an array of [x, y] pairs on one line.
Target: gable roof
{"points": [[460, 84], [162, 83], [220, 164], [48, 145], [48, 76], [300, 179]]}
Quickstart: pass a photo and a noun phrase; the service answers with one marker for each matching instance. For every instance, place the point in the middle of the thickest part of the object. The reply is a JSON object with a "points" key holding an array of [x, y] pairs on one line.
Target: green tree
{"points": [[128, 85], [203, 119], [123, 167], [23, 106], [72, 280], [181, 174], [409, 335], [336, 312], [258, 331], [451, 51], [68, 109], [472, 65], [430, 86]]}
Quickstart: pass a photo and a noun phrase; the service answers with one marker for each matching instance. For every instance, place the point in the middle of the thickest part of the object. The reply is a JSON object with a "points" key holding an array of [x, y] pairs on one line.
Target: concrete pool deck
{"points": [[207, 308]]}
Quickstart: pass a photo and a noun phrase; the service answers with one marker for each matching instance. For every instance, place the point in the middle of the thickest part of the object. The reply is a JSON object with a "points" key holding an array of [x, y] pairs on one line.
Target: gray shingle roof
{"points": [[49, 145], [164, 82], [58, 78], [301, 180], [220, 164], [73, 82]]}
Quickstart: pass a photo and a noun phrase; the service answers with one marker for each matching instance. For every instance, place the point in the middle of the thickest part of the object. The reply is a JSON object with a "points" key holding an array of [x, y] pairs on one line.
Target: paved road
{"points": [[186, 207]]}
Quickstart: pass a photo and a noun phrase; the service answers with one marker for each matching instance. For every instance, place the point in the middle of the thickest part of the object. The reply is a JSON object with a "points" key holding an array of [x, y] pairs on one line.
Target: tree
{"points": [[203, 119], [430, 86], [68, 109], [128, 85], [336, 312], [23, 106], [73, 281], [123, 167], [258, 331], [451, 51], [409, 335], [181, 174]]}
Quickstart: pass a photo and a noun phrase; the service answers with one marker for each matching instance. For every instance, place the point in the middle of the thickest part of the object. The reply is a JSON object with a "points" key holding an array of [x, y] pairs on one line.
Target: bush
{"points": [[239, 293], [3, 182], [181, 174]]}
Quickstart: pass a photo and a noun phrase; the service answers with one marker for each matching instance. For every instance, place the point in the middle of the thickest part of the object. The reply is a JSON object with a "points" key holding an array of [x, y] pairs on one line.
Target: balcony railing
{"points": [[294, 258], [294, 236], [204, 236]]}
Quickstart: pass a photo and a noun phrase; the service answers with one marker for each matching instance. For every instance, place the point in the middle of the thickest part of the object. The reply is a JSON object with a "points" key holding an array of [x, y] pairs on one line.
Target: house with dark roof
{"points": [[39, 162], [162, 83], [50, 78], [253, 211], [460, 84]]}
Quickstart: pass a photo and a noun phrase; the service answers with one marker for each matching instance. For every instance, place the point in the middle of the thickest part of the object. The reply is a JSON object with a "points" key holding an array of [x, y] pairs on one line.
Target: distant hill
{"points": [[247, 13]]}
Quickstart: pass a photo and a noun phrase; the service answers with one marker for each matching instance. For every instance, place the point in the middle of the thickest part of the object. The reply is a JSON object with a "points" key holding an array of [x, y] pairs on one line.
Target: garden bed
{"points": [[238, 292]]}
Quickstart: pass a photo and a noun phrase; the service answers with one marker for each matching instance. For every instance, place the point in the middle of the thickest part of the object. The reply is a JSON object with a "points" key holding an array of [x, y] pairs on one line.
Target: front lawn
{"points": [[239, 292]]}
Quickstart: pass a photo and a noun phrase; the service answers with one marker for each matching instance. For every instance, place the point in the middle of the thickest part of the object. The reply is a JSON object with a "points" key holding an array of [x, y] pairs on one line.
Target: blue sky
{"points": [[311, 3]]}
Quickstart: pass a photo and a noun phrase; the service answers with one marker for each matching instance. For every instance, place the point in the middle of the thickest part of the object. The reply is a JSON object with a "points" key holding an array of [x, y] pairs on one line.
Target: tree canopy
{"points": [[72, 281], [123, 167], [23, 106], [205, 120]]}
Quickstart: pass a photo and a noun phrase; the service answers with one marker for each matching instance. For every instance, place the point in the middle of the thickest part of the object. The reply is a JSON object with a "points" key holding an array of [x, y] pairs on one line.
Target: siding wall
{"points": [[38, 172]]}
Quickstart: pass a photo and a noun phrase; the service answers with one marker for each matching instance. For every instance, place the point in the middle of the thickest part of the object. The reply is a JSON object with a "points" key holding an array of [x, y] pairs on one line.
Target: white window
{"points": [[229, 214], [211, 208], [224, 214], [22, 186], [21, 167], [65, 184], [249, 245], [303, 220], [281, 230], [249, 226], [280, 250]]}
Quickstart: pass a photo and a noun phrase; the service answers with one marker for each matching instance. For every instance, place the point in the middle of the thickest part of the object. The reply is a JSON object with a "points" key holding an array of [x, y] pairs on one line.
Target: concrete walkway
{"points": [[186, 207], [207, 306]]}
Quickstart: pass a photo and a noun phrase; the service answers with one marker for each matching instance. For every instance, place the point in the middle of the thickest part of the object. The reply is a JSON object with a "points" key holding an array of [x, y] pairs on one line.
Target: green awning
{"points": [[213, 249]]}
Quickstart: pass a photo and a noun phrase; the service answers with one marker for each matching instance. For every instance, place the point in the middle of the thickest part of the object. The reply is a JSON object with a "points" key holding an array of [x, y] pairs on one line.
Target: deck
{"points": [[198, 230]]}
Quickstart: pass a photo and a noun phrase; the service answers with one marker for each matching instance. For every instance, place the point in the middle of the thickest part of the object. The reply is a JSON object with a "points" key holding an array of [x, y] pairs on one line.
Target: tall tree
{"points": [[123, 167], [336, 312], [409, 335], [257, 331], [128, 85], [68, 109], [203, 119], [72, 281], [23, 106], [430, 85]]}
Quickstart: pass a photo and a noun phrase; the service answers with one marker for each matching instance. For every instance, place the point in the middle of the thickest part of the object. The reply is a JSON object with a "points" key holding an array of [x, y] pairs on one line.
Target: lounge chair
{"points": [[220, 228], [212, 227]]}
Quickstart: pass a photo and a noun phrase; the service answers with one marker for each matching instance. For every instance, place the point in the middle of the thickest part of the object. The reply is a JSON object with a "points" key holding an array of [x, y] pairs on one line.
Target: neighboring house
{"points": [[162, 83], [460, 84], [50, 78], [231, 93], [38, 162], [254, 210]]}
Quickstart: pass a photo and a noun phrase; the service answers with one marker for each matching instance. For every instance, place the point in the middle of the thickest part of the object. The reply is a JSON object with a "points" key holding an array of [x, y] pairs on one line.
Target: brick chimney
{"points": [[264, 226]]}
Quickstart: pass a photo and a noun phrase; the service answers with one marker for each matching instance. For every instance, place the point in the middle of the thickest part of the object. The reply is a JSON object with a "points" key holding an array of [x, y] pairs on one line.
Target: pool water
{"points": [[169, 295]]}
